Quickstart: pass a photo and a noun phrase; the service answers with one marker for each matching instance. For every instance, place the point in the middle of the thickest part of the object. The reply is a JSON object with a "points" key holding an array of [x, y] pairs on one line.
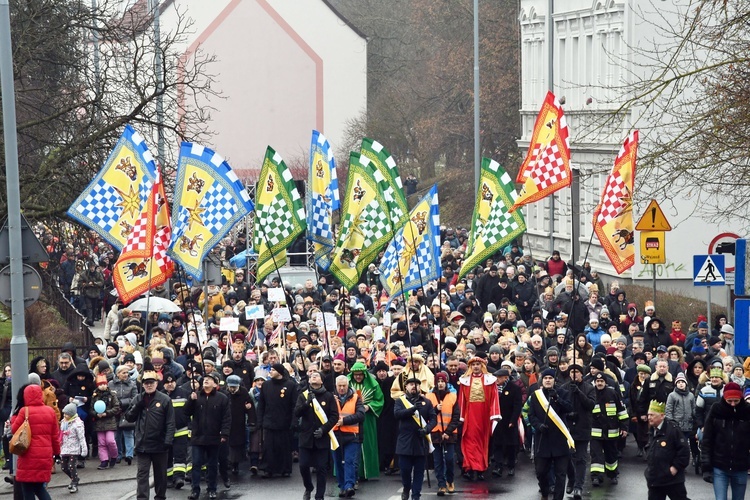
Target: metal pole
{"points": [[653, 277], [477, 152], [19, 345], [708, 315], [551, 87], [159, 82]]}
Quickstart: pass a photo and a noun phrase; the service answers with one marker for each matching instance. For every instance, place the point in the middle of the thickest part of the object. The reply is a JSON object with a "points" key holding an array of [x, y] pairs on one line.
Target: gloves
{"points": [[318, 433], [414, 409], [708, 476], [574, 388], [422, 432], [310, 397], [552, 395], [543, 428]]}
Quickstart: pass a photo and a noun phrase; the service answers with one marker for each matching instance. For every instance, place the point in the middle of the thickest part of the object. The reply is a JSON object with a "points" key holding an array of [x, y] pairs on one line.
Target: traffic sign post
{"points": [[652, 226], [742, 327], [708, 271]]}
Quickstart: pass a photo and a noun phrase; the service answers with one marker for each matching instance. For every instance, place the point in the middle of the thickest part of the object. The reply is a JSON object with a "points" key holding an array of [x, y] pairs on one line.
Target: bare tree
{"points": [[690, 96], [80, 75]]}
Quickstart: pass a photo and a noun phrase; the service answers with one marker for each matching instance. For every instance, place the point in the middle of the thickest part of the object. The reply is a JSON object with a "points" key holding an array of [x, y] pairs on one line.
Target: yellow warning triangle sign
{"points": [[653, 219]]}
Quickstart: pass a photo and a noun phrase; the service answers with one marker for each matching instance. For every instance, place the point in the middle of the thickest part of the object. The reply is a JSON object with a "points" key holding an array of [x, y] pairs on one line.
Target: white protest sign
{"points": [[281, 314], [386, 319], [276, 295], [255, 311], [229, 324]]}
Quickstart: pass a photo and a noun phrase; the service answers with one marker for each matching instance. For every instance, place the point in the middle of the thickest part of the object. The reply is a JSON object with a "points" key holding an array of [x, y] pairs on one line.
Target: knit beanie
{"points": [[732, 391], [70, 409], [680, 376]]}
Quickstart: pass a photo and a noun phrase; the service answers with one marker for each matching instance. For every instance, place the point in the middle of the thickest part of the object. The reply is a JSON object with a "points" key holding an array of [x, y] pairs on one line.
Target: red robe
{"points": [[477, 420]]}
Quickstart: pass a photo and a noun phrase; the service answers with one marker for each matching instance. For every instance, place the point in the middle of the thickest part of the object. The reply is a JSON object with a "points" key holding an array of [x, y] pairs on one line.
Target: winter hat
{"points": [[553, 351], [101, 379], [713, 339], [605, 310], [491, 308], [549, 372], [496, 349], [103, 365], [381, 366], [597, 363], [279, 368], [680, 376], [746, 394], [611, 350], [339, 357], [732, 391], [702, 324], [649, 305], [643, 368], [34, 379], [441, 376], [128, 357], [727, 329], [233, 381], [698, 347], [70, 409]]}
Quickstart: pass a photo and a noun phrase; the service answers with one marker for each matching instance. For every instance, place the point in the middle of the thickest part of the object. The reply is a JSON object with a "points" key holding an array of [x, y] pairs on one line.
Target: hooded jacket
{"points": [[85, 388], [726, 437], [35, 465], [653, 340]]}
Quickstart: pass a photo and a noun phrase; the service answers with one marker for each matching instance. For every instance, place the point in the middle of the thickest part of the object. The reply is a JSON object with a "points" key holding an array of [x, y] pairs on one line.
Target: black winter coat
{"points": [[212, 418], [154, 422], [309, 421], [666, 447], [410, 442], [239, 415], [179, 399], [550, 442], [726, 437], [582, 399], [511, 404]]}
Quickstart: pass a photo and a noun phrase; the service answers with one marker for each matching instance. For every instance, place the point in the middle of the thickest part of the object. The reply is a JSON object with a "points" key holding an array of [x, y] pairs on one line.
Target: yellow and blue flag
{"points": [[365, 223], [209, 200], [111, 203], [279, 214], [322, 198], [413, 255]]}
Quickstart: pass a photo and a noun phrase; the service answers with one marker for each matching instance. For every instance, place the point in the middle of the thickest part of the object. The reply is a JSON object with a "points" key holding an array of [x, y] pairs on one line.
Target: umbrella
{"points": [[154, 304], [240, 259]]}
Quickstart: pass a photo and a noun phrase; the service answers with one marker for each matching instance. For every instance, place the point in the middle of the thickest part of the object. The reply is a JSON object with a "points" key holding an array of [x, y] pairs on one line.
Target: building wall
{"points": [[284, 67], [592, 47]]}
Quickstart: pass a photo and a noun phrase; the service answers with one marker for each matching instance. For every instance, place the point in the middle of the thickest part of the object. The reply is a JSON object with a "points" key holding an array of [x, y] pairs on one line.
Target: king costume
{"points": [[479, 404]]}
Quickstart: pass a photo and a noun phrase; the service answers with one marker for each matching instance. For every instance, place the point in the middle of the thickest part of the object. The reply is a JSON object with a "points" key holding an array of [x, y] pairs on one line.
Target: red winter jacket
{"points": [[35, 465]]}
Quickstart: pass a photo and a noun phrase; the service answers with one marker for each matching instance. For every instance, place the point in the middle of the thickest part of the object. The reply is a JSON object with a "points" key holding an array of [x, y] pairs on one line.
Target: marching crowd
{"points": [[521, 355]]}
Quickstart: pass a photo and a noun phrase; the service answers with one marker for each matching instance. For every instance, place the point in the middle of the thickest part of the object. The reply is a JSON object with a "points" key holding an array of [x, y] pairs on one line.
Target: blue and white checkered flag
{"points": [[322, 198], [209, 200], [112, 202], [413, 256]]}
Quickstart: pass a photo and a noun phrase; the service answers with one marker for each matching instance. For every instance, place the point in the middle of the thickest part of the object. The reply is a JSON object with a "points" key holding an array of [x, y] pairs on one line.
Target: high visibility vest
{"points": [[444, 419], [349, 408]]}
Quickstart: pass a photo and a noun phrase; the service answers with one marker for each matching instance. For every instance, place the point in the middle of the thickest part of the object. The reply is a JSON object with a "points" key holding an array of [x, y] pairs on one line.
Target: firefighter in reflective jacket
{"points": [[347, 432], [177, 458], [609, 423], [445, 433]]}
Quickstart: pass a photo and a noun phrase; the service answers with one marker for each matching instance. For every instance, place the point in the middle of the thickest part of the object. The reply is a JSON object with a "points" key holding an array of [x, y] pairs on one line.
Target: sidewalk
{"points": [[90, 475]]}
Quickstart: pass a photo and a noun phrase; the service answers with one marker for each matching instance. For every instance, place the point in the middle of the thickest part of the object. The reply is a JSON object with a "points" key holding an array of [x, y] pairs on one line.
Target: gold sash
{"points": [[323, 420], [555, 418], [418, 419]]}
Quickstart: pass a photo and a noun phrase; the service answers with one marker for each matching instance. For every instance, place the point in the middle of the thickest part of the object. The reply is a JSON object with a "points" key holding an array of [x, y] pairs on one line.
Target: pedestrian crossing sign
{"points": [[708, 270]]}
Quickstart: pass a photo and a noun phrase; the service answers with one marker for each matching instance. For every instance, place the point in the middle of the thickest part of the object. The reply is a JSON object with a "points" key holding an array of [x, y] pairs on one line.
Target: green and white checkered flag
{"points": [[279, 214], [365, 224], [492, 226], [390, 180]]}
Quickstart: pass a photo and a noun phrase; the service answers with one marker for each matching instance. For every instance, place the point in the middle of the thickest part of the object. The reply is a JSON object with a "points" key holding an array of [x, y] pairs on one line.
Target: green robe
{"points": [[372, 395]]}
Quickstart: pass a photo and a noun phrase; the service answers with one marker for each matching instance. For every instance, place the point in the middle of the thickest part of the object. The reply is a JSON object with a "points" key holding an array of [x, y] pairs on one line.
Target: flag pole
{"points": [[281, 282]]}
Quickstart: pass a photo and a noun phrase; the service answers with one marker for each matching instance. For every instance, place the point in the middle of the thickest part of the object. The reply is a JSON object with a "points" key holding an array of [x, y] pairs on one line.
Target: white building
{"points": [[591, 46], [284, 68]]}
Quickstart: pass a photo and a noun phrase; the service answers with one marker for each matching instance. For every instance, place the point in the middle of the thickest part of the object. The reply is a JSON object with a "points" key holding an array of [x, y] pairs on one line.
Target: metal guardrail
{"points": [[82, 334]]}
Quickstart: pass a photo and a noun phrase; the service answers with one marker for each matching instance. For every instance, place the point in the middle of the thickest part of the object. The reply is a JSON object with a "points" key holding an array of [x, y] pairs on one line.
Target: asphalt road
{"points": [[521, 487]]}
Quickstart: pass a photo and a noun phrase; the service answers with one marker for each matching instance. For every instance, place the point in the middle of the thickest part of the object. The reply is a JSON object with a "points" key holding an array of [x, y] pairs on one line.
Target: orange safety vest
{"points": [[350, 408], [444, 419]]}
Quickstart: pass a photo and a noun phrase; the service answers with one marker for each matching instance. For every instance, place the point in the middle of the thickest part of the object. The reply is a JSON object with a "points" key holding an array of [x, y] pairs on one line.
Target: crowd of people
{"points": [[521, 356]]}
